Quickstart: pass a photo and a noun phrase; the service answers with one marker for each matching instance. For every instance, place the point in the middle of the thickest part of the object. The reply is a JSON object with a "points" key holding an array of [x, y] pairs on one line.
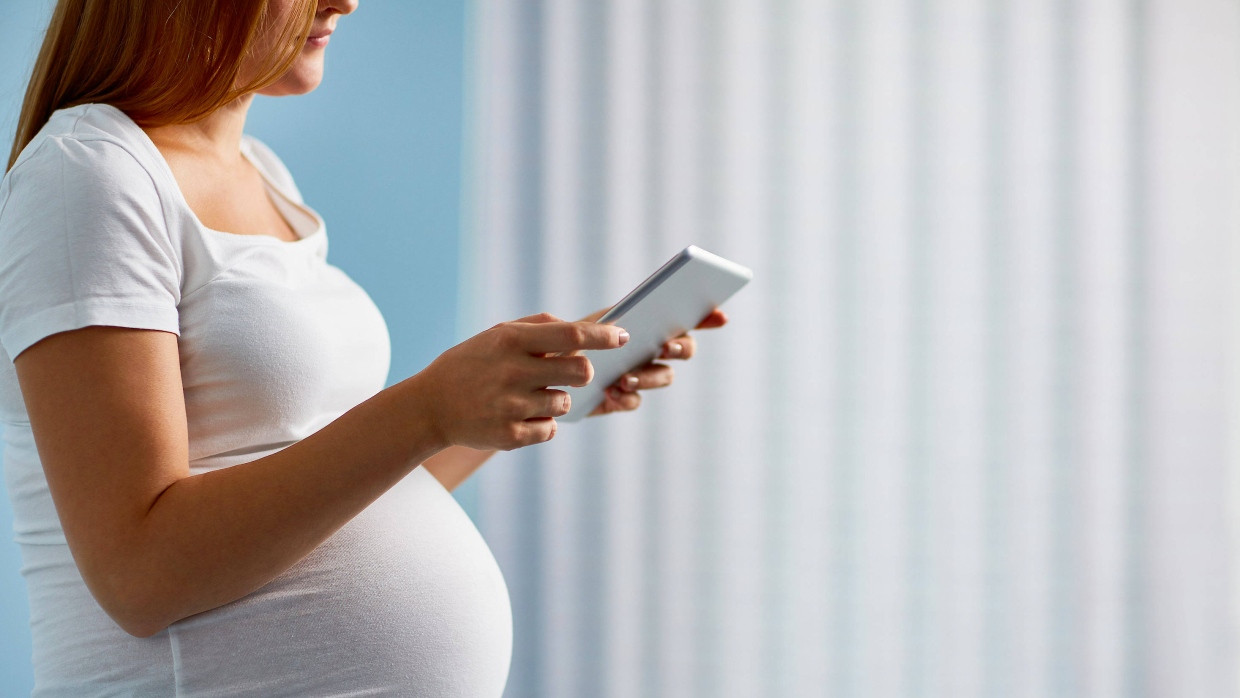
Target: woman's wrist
{"points": [[421, 424]]}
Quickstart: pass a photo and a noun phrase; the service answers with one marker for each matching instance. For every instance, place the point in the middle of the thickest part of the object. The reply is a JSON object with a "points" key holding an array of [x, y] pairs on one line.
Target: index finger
{"points": [[556, 337]]}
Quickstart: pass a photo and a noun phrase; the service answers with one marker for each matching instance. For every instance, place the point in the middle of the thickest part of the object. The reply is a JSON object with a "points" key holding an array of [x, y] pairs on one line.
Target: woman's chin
{"points": [[299, 80]]}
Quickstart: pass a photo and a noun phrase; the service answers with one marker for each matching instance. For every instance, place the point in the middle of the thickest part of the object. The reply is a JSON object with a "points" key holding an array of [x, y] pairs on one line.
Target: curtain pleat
{"points": [[967, 431]]}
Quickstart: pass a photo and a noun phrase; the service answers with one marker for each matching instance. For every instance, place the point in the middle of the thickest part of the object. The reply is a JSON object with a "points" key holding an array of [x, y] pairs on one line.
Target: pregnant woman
{"points": [[213, 494]]}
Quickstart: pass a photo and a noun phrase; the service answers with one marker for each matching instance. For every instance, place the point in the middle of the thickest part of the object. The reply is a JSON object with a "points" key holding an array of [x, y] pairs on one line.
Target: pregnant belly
{"points": [[404, 600]]}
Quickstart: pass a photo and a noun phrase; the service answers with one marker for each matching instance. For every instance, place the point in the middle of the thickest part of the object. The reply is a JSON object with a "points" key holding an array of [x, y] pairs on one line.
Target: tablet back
{"points": [[671, 302]]}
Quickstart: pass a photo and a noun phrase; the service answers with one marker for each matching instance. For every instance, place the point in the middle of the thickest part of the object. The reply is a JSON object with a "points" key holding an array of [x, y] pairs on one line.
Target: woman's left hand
{"points": [[624, 395]]}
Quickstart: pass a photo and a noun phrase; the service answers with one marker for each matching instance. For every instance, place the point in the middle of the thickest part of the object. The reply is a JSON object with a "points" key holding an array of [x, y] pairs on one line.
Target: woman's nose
{"points": [[342, 7]]}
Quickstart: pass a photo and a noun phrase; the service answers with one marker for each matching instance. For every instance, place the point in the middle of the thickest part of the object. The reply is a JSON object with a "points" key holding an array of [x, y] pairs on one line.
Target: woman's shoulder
{"points": [[88, 141], [90, 122], [88, 165]]}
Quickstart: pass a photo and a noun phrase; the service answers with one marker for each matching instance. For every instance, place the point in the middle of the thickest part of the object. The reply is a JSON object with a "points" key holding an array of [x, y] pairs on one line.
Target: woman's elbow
{"points": [[141, 627], [133, 608]]}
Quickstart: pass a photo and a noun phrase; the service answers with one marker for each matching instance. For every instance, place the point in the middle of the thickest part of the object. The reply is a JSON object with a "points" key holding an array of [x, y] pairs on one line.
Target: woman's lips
{"points": [[320, 40]]}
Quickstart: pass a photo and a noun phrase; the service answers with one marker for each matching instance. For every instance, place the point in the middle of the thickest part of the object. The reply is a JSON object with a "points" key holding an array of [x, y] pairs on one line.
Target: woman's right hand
{"points": [[490, 391]]}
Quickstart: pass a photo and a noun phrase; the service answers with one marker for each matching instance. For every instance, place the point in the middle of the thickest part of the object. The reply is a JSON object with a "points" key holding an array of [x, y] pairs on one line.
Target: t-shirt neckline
{"points": [[280, 199]]}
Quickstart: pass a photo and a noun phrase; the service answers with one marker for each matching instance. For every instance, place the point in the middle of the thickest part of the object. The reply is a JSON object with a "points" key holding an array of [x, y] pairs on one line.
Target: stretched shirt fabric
{"points": [[406, 599]]}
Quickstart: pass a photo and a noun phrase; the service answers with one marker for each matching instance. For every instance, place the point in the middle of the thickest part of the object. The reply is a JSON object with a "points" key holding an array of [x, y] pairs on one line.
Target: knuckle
{"points": [[501, 440], [506, 336], [583, 371], [576, 335], [514, 434], [521, 407], [515, 408]]}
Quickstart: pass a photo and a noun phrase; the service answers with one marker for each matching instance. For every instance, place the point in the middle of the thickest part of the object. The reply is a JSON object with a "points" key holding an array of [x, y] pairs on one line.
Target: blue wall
{"points": [[376, 150]]}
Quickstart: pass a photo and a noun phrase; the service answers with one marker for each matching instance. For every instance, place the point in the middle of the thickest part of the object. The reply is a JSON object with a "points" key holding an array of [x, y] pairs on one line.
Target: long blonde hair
{"points": [[159, 61]]}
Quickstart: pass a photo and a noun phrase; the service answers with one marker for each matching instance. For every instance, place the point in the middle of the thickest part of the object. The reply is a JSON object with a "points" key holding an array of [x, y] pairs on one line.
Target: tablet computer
{"points": [[671, 302]]}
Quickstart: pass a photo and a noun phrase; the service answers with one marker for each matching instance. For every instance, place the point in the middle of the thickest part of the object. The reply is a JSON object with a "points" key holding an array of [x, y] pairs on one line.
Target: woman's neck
{"points": [[217, 137]]}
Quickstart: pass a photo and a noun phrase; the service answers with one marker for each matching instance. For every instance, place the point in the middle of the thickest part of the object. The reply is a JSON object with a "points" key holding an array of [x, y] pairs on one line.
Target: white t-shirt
{"points": [[274, 343]]}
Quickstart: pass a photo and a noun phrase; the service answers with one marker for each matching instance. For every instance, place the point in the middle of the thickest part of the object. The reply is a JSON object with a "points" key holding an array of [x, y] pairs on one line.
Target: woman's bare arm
{"points": [[156, 544]]}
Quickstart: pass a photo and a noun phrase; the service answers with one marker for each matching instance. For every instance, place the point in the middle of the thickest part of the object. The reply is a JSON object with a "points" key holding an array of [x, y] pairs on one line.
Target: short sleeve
{"points": [[83, 241]]}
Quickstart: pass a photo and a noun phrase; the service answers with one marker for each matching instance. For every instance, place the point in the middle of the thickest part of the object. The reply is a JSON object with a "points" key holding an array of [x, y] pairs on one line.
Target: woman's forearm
{"points": [[155, 544], [455, 464], [212, 538]]}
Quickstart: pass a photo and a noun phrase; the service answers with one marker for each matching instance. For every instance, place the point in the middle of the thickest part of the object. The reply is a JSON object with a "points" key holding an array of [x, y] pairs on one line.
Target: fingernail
{"points": [[674, 349], [624, 337], [629, 383]]}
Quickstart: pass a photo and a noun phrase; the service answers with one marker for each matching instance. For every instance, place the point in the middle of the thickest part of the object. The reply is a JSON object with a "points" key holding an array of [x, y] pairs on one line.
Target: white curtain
{"points": [[967, 433]]}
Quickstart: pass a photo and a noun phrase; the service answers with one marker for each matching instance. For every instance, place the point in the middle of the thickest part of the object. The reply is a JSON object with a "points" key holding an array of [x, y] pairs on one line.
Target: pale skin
{"points": [[106, 407]]}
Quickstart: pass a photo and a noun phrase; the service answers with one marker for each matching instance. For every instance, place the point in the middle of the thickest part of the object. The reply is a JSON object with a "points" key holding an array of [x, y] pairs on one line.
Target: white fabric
{"points": [[274, 344]]}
